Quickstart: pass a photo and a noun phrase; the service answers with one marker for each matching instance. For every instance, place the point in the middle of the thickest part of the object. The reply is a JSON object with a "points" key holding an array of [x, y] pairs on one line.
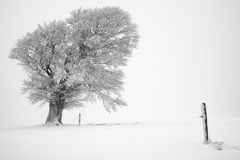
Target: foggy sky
{"points": [[188, 54]]}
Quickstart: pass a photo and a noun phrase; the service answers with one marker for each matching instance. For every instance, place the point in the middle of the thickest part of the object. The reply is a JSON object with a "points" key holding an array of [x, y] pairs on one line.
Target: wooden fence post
{"points": [[205, 124], [79, 119]]}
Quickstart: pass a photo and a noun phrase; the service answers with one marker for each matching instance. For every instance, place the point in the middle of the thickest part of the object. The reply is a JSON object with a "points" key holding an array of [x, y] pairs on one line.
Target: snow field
{"points": [[167, 141]]}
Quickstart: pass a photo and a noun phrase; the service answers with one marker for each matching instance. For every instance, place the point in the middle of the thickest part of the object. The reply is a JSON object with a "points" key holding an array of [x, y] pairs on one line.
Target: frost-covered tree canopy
{"points": [[78, 59]]}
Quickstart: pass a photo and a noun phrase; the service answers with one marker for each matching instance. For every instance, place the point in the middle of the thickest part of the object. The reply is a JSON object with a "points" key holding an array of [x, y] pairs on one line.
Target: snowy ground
{"points": [[120, 142]]}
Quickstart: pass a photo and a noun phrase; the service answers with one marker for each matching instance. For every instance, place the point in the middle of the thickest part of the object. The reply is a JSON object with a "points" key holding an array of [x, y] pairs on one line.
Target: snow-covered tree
{"points": [[69, 62]]}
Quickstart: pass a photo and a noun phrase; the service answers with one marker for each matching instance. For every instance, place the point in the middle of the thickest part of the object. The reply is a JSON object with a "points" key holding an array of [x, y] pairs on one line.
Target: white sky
{"points": [[188, 54]]}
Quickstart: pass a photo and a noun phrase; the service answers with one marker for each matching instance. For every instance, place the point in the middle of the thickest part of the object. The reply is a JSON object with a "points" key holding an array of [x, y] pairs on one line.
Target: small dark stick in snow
{"points": [[79, 119], [205, 124]]}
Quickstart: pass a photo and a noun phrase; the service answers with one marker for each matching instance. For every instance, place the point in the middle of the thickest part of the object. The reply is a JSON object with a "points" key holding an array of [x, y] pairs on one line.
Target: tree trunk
{"points": [[60, 110], [60, 115], [55, 113]]}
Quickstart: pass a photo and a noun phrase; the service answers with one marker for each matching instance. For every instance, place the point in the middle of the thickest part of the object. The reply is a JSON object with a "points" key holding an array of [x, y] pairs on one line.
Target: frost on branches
{"points": [[69, 62]]}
